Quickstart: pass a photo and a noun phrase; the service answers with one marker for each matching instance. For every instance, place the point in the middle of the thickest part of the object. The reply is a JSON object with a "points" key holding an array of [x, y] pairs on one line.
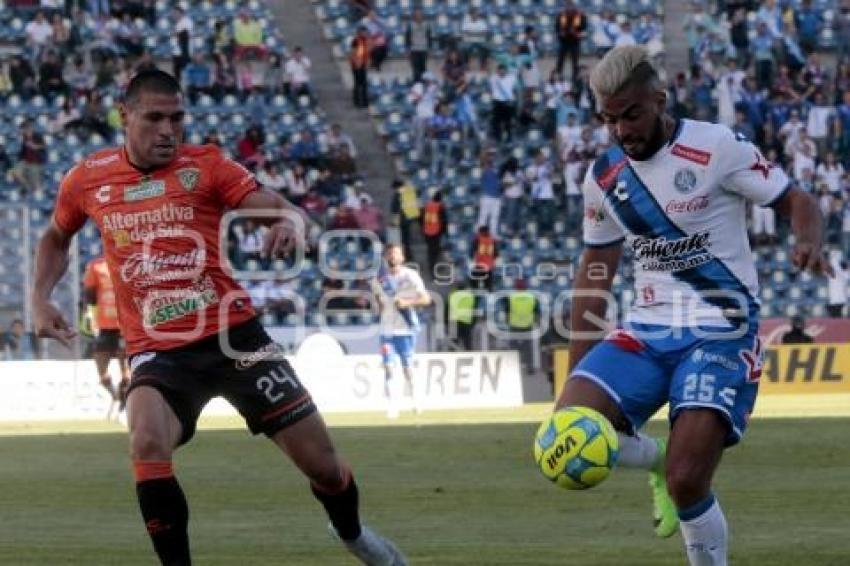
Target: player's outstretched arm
{"points": [[591, 296], [50, 264], [283, 235], [420, 299], [807, 226]]}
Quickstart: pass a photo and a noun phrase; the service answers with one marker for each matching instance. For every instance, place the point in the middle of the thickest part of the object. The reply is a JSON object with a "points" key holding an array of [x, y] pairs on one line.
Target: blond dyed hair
{"points": [[620, 67]]}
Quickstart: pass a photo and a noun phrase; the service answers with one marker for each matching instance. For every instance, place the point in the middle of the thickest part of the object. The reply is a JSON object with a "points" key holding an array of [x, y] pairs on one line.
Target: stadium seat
{"points": [[791, 310]]}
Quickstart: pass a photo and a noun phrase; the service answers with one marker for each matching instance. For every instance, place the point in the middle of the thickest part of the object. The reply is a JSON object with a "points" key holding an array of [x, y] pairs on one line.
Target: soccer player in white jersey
{"points": [[399, 291], [675, 193]]}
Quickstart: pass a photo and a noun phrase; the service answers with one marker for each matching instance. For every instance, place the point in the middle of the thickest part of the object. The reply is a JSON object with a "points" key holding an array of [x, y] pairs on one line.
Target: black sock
{"points": [[166, 516], [342, 509]]}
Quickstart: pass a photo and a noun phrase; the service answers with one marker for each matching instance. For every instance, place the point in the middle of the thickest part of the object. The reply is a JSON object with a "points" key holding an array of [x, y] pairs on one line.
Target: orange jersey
{"points": [[160, 235], [97, 279]]}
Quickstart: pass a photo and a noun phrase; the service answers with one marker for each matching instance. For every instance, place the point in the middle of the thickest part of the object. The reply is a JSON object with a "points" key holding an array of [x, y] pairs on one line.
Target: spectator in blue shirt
{"points": [[752, 103], [254, 108], [440, 129], [197, 78], [647, 29], [490, 205], [779, 110], [306, 150], [771, 14], [809, 24], [762, 46], [742, 126], [465, 114], [702, 87], [329, 186]]}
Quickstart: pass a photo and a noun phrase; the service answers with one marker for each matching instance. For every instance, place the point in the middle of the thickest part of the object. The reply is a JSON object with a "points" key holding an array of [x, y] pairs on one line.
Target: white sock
{"points": [[389, 385], [638, 451], [413, 394], [706, 536]]}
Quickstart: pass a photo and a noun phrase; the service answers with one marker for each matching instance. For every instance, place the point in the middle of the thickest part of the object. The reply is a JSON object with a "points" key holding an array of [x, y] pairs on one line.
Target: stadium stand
{"points": [[769, 73], [554, 117], [230, 93]]}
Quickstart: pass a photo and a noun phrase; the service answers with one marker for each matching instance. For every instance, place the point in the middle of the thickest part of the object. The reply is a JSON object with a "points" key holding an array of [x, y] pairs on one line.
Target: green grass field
{"points": [[448, 494]]}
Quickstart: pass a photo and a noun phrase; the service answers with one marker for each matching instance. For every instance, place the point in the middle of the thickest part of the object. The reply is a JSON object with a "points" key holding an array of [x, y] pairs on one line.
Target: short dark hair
{"points": [[151, 80]]}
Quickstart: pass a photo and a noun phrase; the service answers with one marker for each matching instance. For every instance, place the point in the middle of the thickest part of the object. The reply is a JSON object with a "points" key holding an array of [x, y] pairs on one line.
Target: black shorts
{"points": [[110, 342], [260, 383]]}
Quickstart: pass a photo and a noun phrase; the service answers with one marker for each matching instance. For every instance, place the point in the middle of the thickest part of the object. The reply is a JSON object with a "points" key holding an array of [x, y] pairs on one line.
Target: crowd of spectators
{"points": [[763, 69], [777, 73], [773, 73], [449, 121], [78, 58]]}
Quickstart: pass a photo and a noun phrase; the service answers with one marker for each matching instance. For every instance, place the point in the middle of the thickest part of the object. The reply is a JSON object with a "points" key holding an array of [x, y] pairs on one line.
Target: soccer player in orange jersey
{"points": [[190, 329], [99, 294]]}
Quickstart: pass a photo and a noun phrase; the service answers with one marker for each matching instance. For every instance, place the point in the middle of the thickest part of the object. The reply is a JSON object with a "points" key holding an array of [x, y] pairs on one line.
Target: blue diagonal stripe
{"points": [[643, 216]]}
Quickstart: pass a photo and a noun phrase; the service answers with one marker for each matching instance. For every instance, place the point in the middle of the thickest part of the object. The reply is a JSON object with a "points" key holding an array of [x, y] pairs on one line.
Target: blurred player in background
{"points": [[99, 297], [399, 290], [691, 338], [191, 331]]}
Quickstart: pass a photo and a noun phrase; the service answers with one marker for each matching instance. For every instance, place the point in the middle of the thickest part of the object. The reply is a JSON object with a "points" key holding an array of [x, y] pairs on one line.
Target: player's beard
{"points": [[652, 144]]}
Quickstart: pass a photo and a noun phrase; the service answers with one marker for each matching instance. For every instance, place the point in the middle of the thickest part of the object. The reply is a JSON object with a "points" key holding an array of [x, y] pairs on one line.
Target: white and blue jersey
{"points": [[682, 215], [398, 327]]}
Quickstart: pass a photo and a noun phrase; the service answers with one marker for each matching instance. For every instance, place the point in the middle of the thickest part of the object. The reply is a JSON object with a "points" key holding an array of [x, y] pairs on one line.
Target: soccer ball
{"points": [[576, 448]]}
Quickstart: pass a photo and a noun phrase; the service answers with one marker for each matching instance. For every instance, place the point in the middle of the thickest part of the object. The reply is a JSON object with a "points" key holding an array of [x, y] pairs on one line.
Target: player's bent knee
{"points": [[331, 478], [146, 444], [688, 482], [581, 392]]}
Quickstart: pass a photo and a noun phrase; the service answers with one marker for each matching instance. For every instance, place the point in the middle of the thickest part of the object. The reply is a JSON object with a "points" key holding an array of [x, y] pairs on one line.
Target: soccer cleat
{"points": [[371, 548], [664, 515]]}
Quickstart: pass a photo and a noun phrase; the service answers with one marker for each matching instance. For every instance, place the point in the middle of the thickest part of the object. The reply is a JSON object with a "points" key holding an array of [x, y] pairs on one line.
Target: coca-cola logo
{"points": [[684, 206]]}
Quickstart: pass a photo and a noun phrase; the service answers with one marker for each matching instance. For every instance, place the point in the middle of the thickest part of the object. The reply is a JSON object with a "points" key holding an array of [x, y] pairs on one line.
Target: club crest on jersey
{"points": [[685, 180], [594, 214], [188, 177]]}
